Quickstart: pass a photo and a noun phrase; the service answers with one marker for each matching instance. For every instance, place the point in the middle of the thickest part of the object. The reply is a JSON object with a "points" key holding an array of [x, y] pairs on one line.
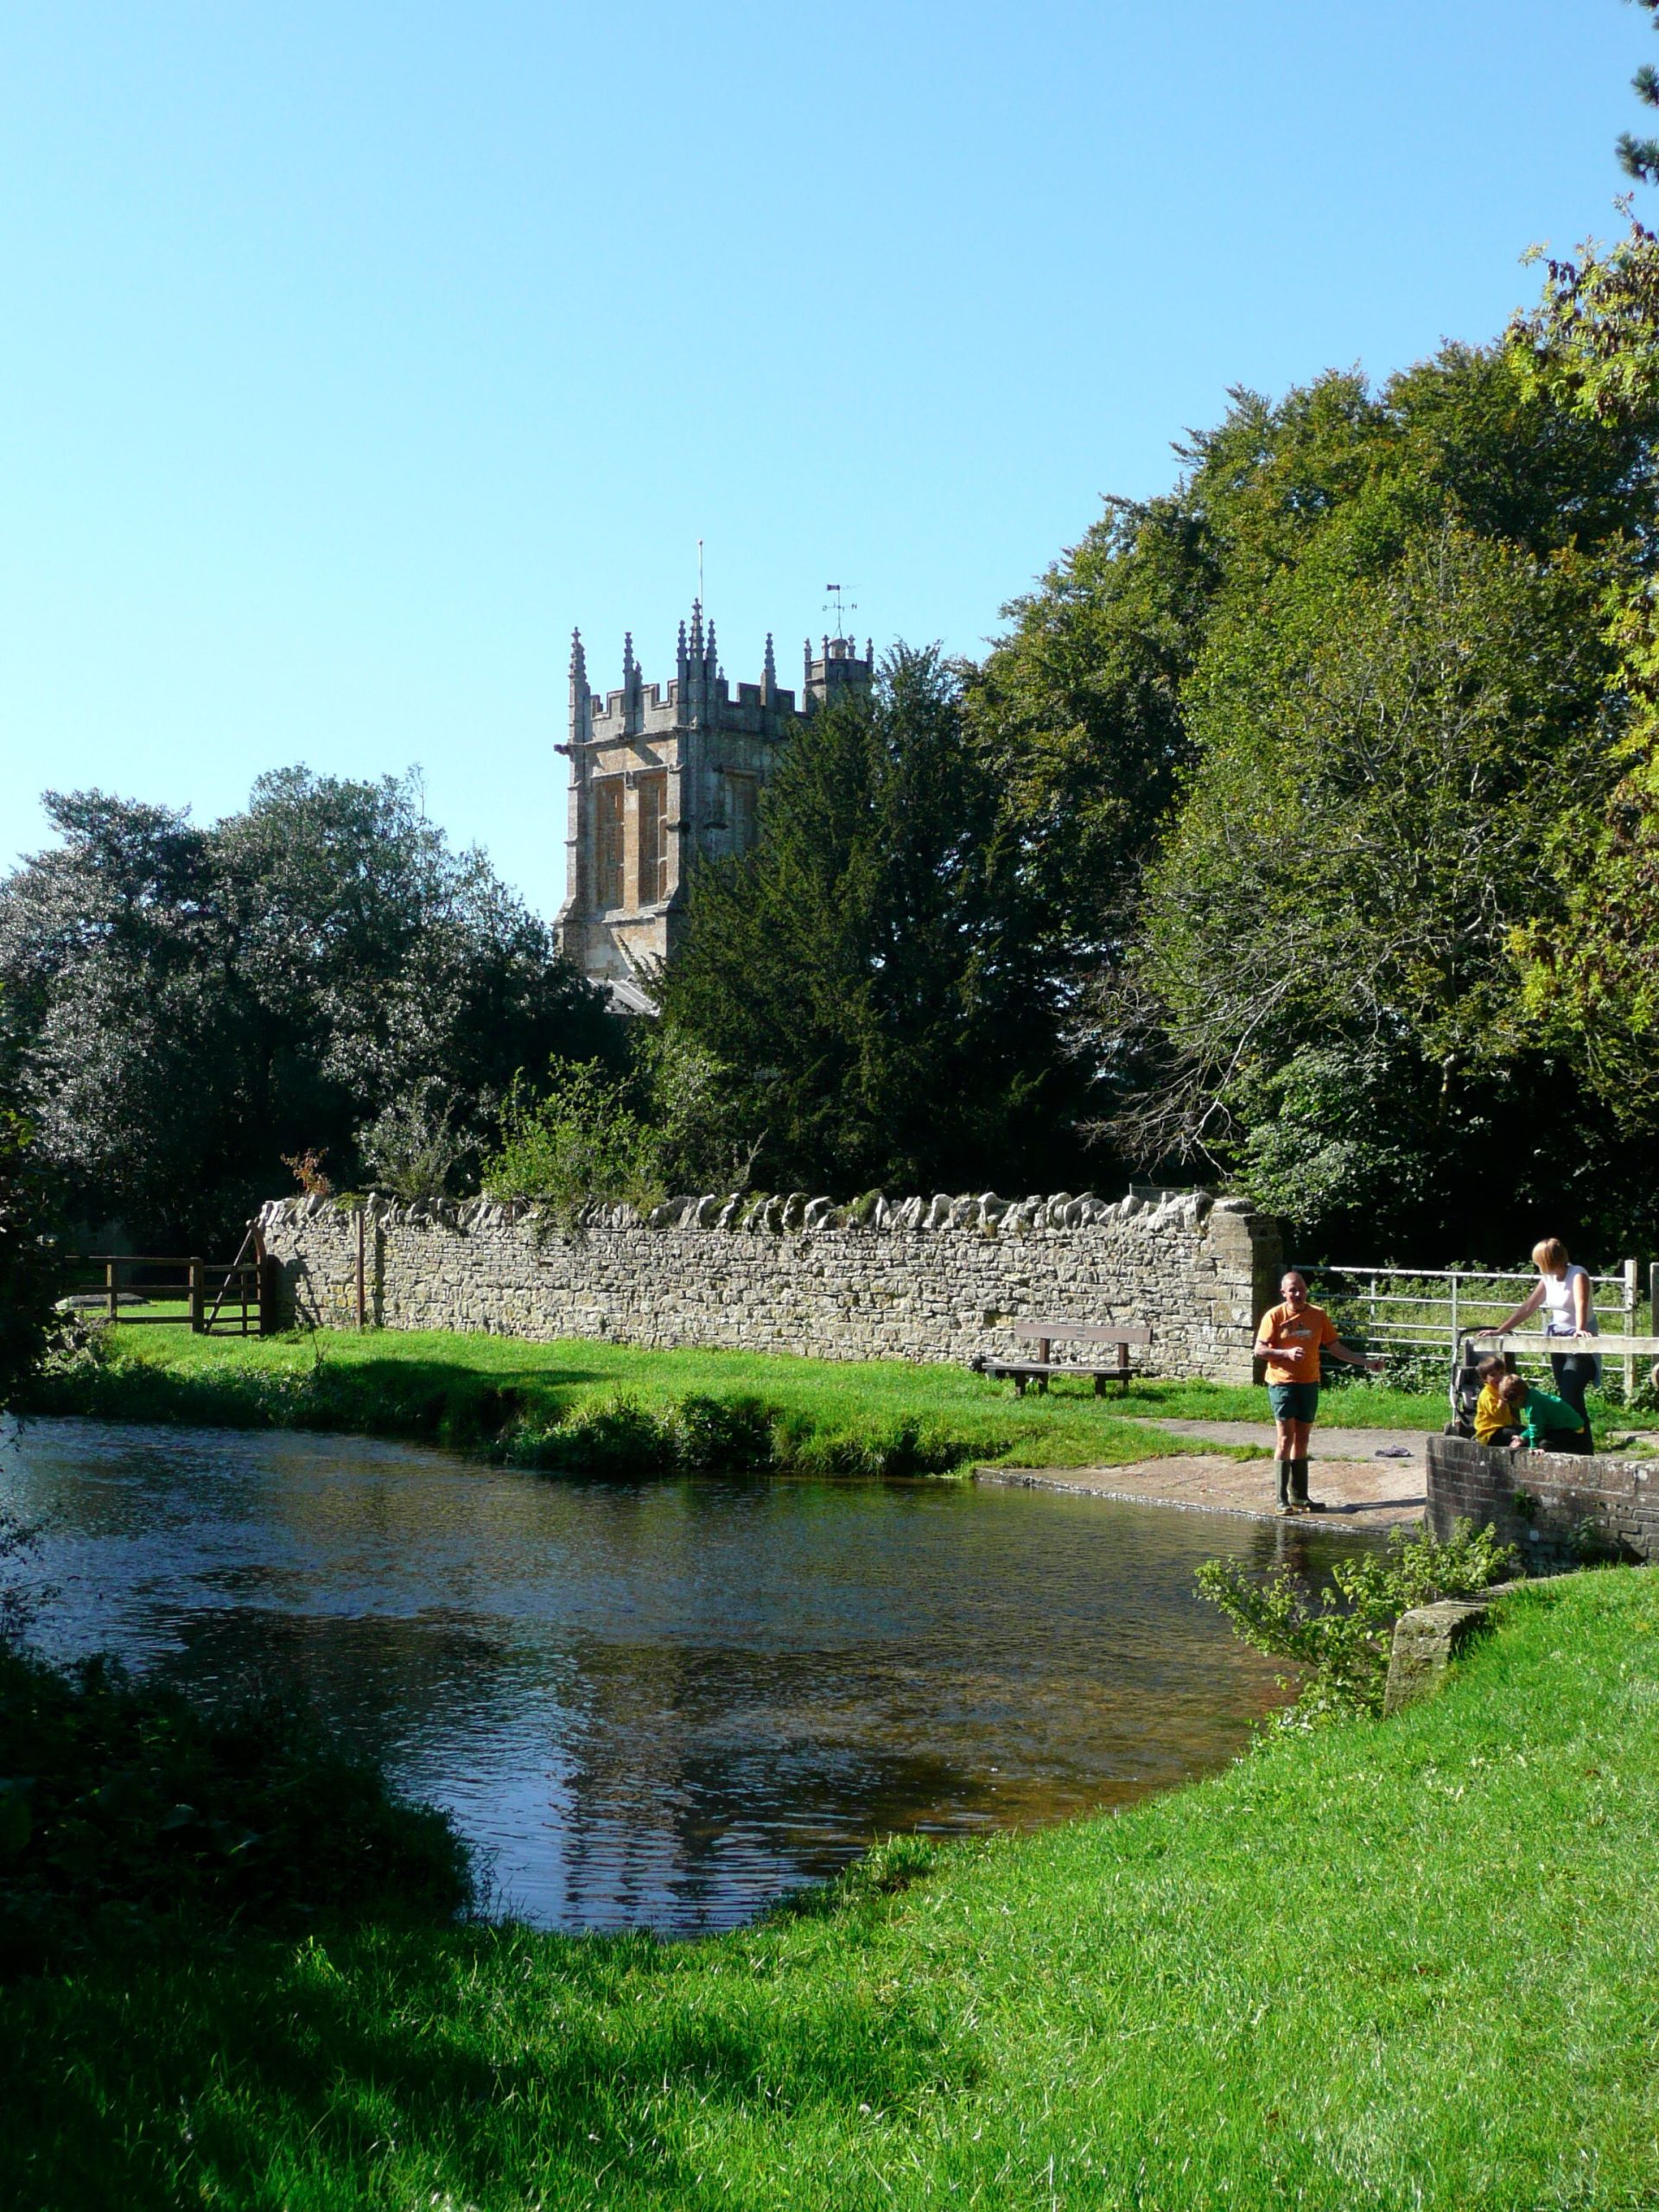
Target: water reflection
{"points": [[667, 1703]]}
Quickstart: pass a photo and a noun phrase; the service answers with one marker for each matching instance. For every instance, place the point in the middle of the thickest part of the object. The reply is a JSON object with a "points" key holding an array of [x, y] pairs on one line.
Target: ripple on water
{"points": [[661, 1703]]}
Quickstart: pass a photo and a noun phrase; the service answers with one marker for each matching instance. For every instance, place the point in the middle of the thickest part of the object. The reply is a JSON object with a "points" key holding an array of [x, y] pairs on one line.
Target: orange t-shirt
{"points": [[1311, 1328]]}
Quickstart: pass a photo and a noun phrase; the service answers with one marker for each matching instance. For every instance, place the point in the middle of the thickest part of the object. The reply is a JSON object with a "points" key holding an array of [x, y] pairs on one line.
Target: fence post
{"points": [[1454, 1316], [197, 1299], [111, 1299], [1632, 1283]]}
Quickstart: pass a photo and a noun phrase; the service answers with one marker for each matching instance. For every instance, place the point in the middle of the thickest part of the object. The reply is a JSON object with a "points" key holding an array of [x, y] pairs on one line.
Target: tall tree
{"points": [[1325, 937], [27, 1275], [873, 977], [1639, 157], [189, 1005], [1592, 345], [1399, 701]]}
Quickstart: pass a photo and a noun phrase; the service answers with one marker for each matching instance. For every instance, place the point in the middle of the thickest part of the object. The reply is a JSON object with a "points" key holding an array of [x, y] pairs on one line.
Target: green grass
{"points": [[1392, 1965], [584, 1405], [557, 1405]]}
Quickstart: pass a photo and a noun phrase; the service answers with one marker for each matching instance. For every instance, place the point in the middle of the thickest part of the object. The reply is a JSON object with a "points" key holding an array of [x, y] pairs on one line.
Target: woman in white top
{"points": [[1563, 1291]]}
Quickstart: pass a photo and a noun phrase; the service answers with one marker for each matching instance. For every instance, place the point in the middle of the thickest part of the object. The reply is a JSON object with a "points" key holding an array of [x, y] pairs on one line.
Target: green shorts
{"points": [[1293, 1401]]}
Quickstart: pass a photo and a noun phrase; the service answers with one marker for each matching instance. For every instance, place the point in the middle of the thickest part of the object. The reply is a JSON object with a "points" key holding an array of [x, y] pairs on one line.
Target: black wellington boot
{"points": [[1300, 1501], [1284, 1486]]}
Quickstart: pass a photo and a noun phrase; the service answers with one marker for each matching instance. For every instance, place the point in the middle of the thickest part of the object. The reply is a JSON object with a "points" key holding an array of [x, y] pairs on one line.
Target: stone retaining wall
{"points": [[1558, 1510], [1429, 1639], [920, 1279]]}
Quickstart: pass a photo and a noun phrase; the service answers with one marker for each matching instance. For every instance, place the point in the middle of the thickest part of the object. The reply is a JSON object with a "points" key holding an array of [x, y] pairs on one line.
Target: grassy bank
{"points": [[1403, 1964], [580, 1406]]}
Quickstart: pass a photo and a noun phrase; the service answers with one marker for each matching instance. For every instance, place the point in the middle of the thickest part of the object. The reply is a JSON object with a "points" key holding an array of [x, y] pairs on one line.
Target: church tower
{"points": [[662, 777]]}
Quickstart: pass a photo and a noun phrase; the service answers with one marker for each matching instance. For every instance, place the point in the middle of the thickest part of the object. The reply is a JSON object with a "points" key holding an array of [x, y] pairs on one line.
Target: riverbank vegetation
{"points": [[1373, 1965], [1339, 1638], [582, 1406], [589, 1405], [126, 1812]]}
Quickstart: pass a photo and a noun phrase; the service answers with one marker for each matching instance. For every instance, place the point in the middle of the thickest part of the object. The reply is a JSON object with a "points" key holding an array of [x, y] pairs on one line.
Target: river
{"points": [[660, 1704]]}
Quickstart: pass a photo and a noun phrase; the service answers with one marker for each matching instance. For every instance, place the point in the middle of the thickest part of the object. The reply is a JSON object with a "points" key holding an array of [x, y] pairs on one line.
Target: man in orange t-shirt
{"points": [[1290, 1338]]}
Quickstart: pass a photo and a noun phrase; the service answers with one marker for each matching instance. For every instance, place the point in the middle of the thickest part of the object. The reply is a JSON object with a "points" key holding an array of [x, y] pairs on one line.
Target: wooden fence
{"points": [[232, 1298]]}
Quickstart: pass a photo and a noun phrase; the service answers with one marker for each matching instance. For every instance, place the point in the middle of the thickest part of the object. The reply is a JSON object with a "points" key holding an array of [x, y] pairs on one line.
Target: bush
{"points": [[411, 1149], [580, 1142], [697, 1436], [1341, 1645], [125, 1802]]}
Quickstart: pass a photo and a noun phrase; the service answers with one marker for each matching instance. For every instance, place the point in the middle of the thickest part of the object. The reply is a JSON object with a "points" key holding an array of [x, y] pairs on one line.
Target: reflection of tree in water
{"points": [[666, 1703], [709, 1778], [386, 1683]]}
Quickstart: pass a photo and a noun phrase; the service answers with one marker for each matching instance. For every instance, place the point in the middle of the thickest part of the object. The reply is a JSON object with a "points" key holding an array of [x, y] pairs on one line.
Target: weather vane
{"points": [[841, 606]]}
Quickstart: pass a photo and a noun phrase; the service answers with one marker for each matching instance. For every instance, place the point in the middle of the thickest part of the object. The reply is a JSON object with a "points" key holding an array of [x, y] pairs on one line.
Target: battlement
{"points": [[665, 776], [660, 703], [837, 672]]}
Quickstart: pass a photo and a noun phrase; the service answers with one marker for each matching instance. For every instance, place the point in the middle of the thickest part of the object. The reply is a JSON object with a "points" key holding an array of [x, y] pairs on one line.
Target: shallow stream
{"points": [[661, 1704]]}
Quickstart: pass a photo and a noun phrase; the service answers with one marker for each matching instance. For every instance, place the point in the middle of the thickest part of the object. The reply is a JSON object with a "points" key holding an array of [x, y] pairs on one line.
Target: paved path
{"points": [[1361, 1490], [1357, 1444]]}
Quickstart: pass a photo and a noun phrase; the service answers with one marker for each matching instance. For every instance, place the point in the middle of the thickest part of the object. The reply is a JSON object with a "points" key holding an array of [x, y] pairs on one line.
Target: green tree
{"points": [[1394, 700], [1078, 711], [1592, 981], [188, 1005], [27, 1274], [578, 1141], [1325, 938], [874, 975]]}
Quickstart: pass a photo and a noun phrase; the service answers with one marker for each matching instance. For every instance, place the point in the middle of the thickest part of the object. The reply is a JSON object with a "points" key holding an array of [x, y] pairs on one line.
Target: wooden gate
{"points": [[147, 1289]]}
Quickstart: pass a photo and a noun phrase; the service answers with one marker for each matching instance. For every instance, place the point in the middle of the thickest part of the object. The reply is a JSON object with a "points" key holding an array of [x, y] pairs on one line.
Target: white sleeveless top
{"points": [[1559, 1320]]}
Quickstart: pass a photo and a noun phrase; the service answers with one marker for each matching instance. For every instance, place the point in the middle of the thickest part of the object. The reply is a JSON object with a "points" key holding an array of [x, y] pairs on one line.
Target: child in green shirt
{"points": [[1546, 1424]]}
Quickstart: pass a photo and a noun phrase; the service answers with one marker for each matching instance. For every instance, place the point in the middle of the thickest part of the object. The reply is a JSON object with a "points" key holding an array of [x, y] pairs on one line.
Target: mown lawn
{"points": [[1391, 1964], [520, 1398]]}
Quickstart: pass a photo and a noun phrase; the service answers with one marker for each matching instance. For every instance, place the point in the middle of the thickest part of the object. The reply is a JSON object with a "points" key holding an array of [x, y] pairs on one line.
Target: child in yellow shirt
{"points": [[1494, 1416]]}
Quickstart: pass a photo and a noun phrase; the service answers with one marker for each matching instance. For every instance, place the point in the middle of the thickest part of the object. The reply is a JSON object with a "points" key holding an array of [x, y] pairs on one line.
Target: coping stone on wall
{"points": [[1558, 1508], [936, 1279], [1429, 1639]]}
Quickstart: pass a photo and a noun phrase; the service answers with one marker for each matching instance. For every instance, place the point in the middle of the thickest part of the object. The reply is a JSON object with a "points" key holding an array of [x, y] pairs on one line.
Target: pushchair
{"points": [[1465, 1389]]}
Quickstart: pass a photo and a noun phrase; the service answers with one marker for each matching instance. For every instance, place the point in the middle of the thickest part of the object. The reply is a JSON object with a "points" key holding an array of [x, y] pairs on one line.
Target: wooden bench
{"points": [[1047, 1334]]}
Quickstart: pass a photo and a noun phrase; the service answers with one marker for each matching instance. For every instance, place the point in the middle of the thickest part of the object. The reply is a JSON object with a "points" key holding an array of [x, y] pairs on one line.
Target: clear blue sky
{"points": [[350, 355]]}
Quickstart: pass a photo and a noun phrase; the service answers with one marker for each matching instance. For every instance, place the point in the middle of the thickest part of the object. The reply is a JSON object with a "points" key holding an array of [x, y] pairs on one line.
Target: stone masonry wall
{"points": [[1558, 1509], [935, 1279]]}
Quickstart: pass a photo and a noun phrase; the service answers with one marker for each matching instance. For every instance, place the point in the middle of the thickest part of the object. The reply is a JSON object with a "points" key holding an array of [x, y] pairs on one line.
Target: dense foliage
{"points": [[1592, 982], [875, 977], [1399, 714], [189, 1006], [662, 1122], [27, 1273]]}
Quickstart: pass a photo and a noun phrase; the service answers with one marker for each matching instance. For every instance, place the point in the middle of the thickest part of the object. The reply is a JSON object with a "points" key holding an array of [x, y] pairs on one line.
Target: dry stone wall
{"points": [[935, 1279]]}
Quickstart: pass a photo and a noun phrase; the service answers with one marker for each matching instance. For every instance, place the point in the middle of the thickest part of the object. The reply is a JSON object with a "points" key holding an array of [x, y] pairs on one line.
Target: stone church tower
{"points": [[662, 778]]}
